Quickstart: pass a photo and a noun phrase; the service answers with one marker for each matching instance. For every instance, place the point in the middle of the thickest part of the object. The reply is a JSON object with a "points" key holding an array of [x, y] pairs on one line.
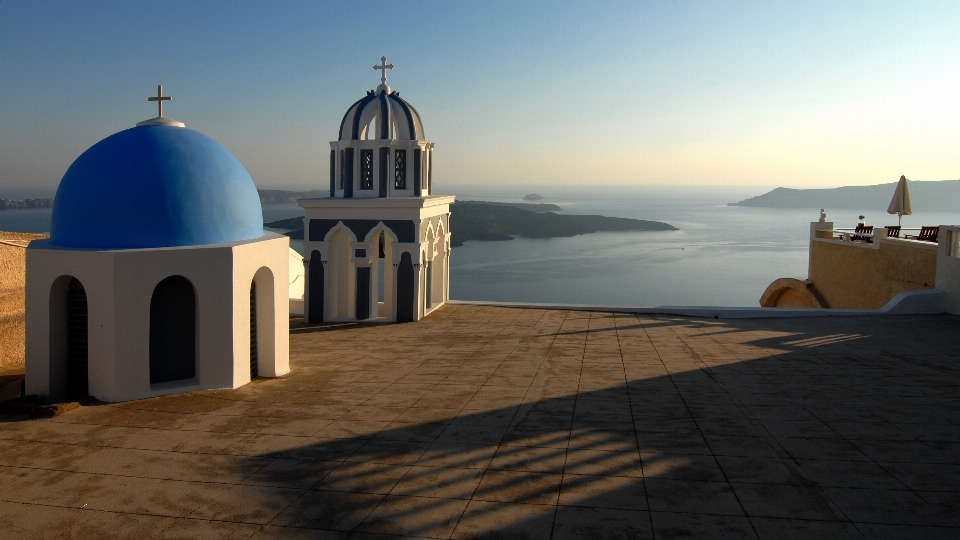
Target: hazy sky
{"points": [[750, 93]]}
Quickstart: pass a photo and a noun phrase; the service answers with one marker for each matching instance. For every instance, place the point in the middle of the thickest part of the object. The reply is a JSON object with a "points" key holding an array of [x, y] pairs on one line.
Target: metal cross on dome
{"points": [[384, 66], [160, 98]]}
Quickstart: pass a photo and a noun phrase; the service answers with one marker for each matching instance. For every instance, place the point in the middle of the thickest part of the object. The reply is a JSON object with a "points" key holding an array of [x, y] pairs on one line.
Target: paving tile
{"points": [[377, 478], [785, 501], [756, 470], [273, 532], [120, 526], [576, 523], [291, 473], [621, 492], [518, 487], [874, 506], [682, 467], [408, 516], [490, 520], [207, 530], [172, 498], [248, 504], [803, 529], [891, 532], [692, 497], [670, 525], [38, 522], [331, 510], [530, 459], [449, 483]]}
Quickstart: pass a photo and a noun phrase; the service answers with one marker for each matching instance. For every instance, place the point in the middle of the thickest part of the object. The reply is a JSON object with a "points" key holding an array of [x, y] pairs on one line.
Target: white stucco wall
{"points": [[119, 285]]}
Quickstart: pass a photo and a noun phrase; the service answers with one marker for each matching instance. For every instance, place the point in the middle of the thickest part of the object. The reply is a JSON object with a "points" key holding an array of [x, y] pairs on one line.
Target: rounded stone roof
{"points": [[152, 186], [396, 119]]}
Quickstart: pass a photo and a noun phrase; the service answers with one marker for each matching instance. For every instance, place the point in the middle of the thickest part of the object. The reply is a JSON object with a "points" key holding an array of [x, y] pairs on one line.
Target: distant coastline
{"points": [[938, 195], [482, 220]]}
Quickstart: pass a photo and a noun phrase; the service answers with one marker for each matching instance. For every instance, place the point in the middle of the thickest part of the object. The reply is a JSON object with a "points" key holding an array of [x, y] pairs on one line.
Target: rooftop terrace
{"points": [[524, 423]]}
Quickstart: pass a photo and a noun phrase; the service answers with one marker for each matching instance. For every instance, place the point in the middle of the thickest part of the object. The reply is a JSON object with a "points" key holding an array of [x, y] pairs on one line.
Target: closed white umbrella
{"points": [[900, 205]]}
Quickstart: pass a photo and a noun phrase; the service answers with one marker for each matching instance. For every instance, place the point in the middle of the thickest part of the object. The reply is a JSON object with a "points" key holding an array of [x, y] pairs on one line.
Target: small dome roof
{"points": [[396, 119], [155, 186]]}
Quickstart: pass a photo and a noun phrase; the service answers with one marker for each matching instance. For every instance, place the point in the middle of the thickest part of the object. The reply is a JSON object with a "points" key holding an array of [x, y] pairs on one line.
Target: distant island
{"points": [[534, 197], [16, 204], [927, 195], [481, 220]]}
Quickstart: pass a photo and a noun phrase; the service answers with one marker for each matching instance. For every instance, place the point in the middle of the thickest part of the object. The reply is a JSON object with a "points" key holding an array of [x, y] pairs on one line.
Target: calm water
{"points": [[722, 255]]}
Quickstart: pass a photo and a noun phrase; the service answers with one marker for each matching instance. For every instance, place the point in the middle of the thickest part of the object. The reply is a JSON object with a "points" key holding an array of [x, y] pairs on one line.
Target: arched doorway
{"points": [[253, 330], [405, 292], [173, 331], [77, 348]]}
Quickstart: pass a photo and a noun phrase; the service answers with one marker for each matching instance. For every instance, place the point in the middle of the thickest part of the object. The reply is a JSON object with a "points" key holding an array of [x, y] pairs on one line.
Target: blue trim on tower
{"points": [[417, 181], [384, 116], [348, 173], [419, 121], [361, 105], [384, 160], [406, 110], [333, 173], [344, 121]]}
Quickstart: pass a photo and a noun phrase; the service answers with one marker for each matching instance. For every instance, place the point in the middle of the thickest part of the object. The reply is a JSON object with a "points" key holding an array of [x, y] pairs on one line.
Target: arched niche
{"points": [[262, 328], [69, 340], [173, 331]]}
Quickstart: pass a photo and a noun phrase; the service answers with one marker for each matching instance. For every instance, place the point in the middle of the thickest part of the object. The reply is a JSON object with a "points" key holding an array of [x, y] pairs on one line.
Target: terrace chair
{"points": [[928, 234], [862, 229], [893, 231]]}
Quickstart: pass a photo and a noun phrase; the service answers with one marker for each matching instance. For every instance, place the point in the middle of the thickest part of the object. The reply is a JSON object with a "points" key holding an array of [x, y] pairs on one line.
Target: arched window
{"points": [[173, 331]]}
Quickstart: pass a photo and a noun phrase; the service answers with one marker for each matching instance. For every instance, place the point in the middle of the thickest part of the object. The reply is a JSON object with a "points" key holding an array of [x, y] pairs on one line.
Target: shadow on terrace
{"points": [[666, 427]]}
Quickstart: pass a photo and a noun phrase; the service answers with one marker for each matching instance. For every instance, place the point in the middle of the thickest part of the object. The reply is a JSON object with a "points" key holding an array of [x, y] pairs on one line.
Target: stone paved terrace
{"points": [[523, 423]]}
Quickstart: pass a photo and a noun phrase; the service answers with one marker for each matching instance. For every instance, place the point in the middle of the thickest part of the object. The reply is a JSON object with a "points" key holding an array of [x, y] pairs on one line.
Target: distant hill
{"points": [[942, 195], [280, 195], [478, 220]]}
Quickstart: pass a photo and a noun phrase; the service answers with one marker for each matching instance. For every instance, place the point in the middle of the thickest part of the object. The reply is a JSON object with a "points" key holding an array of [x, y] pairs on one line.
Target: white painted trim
{"points": [[923, 302]]}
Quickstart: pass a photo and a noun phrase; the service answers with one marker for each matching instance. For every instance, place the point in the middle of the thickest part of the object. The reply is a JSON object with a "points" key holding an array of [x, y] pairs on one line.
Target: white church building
{"points": [[377, 249], [158, 277]]}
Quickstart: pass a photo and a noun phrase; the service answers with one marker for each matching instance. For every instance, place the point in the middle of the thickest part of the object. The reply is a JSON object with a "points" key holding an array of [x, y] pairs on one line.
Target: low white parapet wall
{"points": [[923, 302]]}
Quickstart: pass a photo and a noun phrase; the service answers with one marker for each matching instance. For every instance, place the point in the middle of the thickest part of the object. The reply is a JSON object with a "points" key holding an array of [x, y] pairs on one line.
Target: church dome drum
{"points": [[155, 185], [381, 151], [381, 114]]}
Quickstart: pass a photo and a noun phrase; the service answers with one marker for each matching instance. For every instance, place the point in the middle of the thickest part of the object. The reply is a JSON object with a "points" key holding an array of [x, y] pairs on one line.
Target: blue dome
{"points": [[155, 186]]}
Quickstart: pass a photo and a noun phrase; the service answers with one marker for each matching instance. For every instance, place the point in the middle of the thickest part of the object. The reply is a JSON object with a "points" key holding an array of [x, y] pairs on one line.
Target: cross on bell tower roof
{"points": [[383, 67]]}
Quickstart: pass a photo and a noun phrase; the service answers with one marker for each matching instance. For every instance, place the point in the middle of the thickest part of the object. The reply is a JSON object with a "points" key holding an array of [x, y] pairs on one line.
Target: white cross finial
{"points": [[160, 98], [384, 66]]}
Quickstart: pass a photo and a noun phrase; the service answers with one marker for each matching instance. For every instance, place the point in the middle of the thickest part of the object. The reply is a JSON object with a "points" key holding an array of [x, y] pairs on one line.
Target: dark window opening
{"points": [[400, 169], [366, 169]]}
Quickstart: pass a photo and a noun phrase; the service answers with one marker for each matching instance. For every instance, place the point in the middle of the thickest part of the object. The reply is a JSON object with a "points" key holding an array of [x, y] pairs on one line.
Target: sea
{"points": [[720, 256]]}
